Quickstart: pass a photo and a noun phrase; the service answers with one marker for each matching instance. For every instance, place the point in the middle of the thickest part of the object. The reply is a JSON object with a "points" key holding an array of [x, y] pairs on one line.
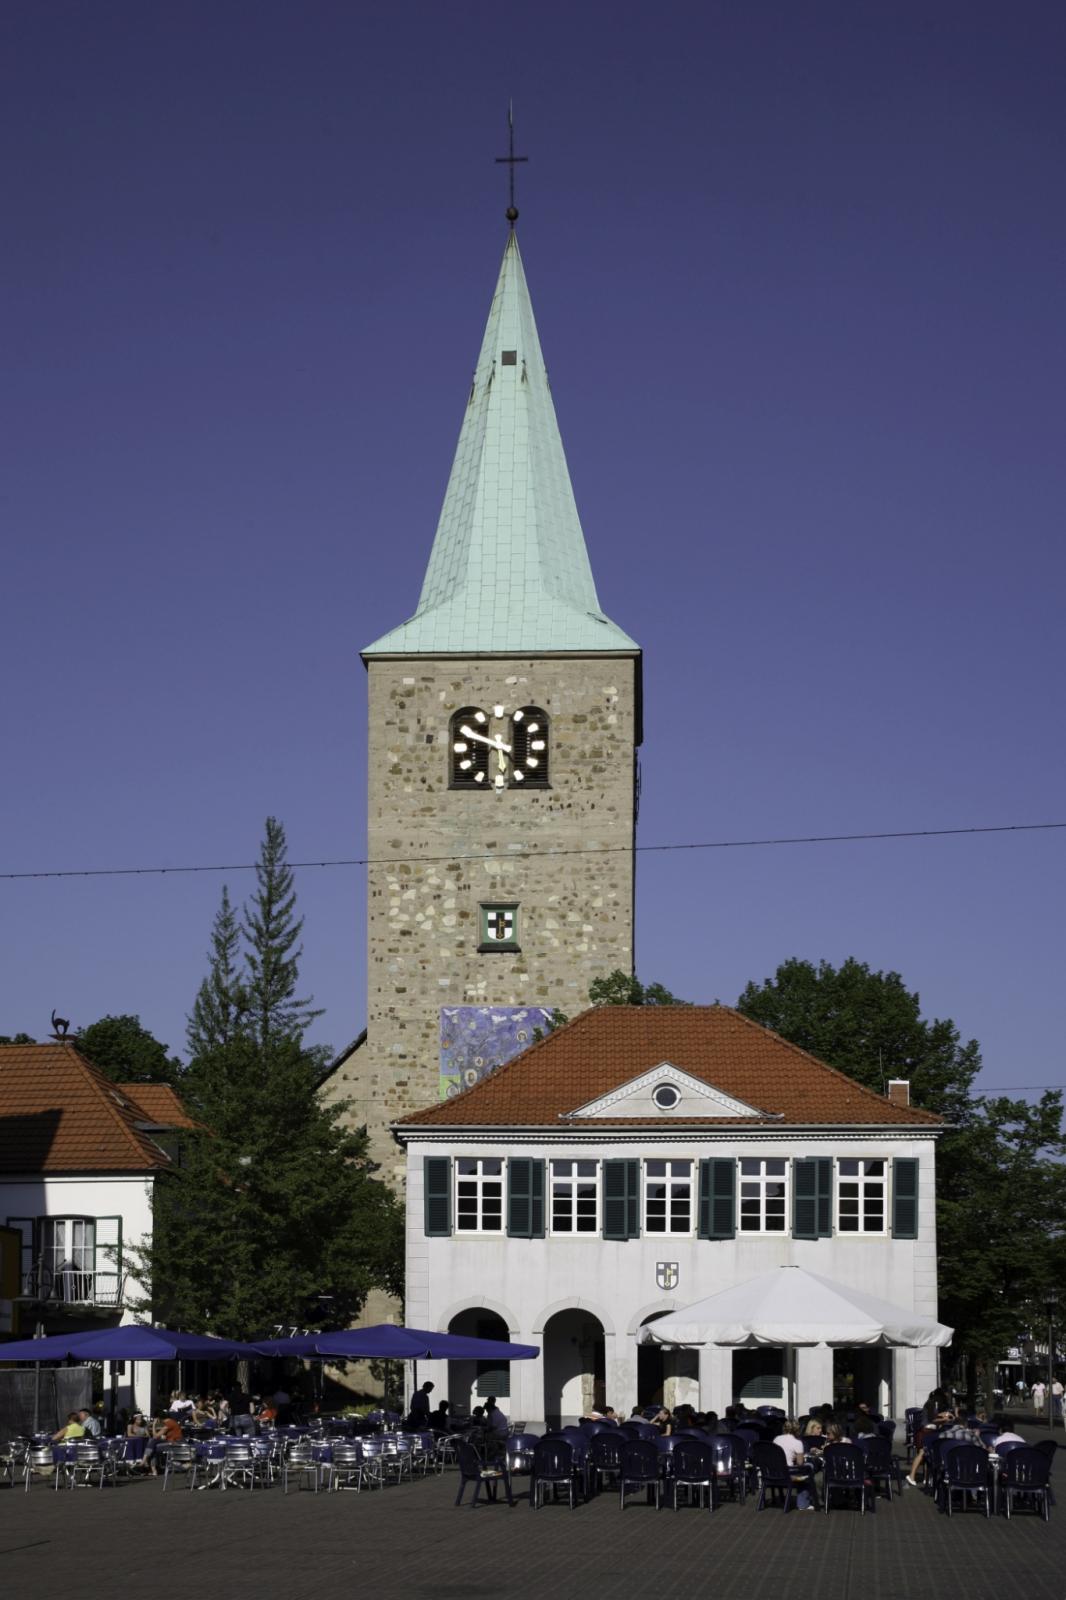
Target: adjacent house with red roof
{"points": [[79, 1157], [641, 1158]]}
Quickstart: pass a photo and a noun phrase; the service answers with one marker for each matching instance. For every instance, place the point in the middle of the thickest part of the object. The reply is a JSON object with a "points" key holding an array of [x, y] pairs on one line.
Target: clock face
{"points": [[499, 747]]}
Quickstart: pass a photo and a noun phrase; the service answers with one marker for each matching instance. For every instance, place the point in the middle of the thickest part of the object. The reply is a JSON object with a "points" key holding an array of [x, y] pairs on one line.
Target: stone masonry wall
{"points": [[576, 910]]}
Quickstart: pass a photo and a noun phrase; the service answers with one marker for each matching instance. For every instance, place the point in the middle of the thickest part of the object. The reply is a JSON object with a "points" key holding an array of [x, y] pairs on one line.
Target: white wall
{"points": [[128, 1197], [527, 1280]]}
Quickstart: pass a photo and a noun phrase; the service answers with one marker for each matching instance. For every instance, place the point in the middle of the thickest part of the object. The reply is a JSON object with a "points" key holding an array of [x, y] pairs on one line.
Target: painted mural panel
{"points": [[475, 1040]]}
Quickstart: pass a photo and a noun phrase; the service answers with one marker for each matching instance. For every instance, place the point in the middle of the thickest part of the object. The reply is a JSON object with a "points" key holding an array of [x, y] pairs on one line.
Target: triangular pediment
{"points": [[665, 1093]]}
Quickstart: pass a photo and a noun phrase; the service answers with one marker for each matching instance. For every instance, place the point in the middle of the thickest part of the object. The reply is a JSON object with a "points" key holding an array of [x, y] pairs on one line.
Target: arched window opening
{"points": [[468, 749], [530, 745]]}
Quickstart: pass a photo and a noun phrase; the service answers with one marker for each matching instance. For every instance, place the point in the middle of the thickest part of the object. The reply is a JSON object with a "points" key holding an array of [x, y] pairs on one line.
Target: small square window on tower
{"points": [[499, 927]]}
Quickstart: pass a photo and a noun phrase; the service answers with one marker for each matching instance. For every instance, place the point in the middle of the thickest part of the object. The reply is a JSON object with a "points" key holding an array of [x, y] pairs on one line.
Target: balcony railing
{"points": [[69, 1286]]}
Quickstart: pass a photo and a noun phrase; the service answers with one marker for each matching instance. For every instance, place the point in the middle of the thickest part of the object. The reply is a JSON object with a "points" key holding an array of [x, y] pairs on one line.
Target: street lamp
{"points": [[1051, 1300]]}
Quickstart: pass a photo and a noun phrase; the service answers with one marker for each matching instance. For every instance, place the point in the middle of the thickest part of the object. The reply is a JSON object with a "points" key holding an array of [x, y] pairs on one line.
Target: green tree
{"points": [[17, 1038], [275, 1204], [221, 1005], [620, 988], [123, 1050], [1001, 1182]]}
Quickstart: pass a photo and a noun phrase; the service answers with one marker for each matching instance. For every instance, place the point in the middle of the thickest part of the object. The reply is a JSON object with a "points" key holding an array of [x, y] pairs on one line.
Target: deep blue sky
{"points": [[798, 274]]}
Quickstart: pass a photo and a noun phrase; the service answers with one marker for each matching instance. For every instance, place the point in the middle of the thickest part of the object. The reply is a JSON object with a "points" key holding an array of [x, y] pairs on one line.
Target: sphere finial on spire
{"points": [[511, 161]]}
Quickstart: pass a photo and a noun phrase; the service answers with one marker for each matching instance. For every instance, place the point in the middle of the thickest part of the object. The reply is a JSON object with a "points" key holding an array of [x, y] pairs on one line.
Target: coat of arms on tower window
{"points": [[499, 927], [666, 1274]]}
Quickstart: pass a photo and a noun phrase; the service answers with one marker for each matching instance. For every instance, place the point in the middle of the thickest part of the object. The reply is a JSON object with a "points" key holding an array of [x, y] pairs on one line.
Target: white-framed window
{"points": [[862, 1194], [668, 1196], [575, 1197], [763, 1194], [479, 1194]]}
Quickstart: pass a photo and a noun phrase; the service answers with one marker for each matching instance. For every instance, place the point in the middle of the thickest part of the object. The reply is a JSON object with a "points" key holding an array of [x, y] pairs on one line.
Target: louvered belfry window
{"points": [[530, 747], [468, 756]]}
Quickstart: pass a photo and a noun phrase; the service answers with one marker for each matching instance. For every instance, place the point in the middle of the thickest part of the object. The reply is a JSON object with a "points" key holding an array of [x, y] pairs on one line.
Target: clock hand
{"points": [[493, 744]]}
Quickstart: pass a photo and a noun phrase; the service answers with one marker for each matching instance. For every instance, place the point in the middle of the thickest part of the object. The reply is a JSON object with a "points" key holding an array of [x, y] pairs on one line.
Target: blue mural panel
{"points": [[475, 1040]]}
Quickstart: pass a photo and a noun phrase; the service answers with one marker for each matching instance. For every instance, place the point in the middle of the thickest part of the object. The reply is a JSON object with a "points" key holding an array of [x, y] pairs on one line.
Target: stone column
{"points": [[716, 1378], [814, 1376]]}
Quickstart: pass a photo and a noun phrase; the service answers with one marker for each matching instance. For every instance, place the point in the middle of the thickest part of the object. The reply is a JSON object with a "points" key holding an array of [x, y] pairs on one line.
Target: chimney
{"points": [[899, 1091]]}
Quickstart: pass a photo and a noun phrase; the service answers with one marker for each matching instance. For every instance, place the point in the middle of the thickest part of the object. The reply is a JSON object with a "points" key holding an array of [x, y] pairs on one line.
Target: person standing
{"points": [[1039, 1395], [418, 1416]]}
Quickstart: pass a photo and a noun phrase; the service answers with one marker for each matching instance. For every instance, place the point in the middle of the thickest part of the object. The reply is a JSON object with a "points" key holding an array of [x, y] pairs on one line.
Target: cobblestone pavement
{"points": [[134, 1540]]}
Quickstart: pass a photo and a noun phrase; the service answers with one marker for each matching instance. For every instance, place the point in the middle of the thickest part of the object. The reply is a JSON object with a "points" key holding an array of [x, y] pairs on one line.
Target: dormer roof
{"points": [[603, 1068], [58, 1113], [509, 572]]}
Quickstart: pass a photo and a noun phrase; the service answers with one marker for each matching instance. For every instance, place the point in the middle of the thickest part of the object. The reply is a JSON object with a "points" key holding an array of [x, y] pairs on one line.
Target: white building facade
{"points": [[709, 1151], [79, 1158]]}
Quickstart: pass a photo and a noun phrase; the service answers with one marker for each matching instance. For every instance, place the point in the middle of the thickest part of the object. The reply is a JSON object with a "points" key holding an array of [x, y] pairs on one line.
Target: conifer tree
{"points": [[275, 1204], [272, 930], [221, 1006]]}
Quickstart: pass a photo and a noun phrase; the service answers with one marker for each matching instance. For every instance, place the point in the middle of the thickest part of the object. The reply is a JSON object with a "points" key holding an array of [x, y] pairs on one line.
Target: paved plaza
{"points": [[410, 1540]]}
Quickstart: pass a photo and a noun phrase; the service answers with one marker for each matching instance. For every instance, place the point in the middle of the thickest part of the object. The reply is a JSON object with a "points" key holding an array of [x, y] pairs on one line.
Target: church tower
{"points": [[504, 722]]}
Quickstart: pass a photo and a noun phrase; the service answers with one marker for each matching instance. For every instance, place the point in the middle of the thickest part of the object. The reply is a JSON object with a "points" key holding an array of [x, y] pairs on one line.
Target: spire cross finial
{"points": [[511, 161]]}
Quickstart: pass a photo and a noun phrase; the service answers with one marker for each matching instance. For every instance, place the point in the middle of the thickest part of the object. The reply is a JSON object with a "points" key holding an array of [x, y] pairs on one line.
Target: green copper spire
{"points": [[509, 572]]}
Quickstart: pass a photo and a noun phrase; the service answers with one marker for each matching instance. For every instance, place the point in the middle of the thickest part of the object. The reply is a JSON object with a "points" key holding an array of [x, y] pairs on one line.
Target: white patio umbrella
{"points": [[787, 1307], [791, 1306]]}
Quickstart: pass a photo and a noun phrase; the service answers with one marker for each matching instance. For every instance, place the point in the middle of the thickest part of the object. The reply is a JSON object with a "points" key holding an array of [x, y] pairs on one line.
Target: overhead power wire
{"points": [[521, 853]]}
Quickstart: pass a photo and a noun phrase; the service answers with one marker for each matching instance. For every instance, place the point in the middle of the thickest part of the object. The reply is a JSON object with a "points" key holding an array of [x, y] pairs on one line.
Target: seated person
{"points": [[799, 1470], [835, 1434], [608, 1414], [166, 1431], [137, 1428], [439, 1419], [180, 1405], [268, 1411], [90, 1423], [1006, 1436], [73, 1428], [495, 1418]]}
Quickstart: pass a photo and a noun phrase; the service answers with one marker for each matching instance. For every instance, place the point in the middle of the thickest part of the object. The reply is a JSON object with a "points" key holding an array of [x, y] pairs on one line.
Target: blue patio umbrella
{"points": [[134, 1341], [388, 1343], [56, 1347]]}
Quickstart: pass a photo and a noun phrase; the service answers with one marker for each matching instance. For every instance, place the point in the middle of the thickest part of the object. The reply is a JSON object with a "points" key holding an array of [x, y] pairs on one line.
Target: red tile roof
{"points": [[59, 1114], [608, 1046], [160, 1104]]}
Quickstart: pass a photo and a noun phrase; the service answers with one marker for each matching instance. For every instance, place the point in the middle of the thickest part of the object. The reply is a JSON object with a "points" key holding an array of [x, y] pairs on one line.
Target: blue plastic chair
{"points": [[553, 1468], [966, 1473], [1024, 1477], [844, 1472], [640, 1470], [694, 1468], [605, 1456], [773, 1474]]}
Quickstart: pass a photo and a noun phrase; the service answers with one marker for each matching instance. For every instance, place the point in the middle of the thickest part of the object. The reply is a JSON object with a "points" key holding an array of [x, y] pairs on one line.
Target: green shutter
{"points": [[525, 1199], [904, 1197], [621, 1199], [812, 1198], [25, 1229], [107, 1261], [437, 1185], [718, 1198]]}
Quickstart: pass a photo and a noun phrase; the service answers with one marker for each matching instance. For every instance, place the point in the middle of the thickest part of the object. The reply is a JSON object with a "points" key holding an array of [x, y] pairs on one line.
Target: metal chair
{"points": [[242, 1467], [640, 1470], [179, 1460], [89, 1461], [40, 1463], [694, 1468], [346, 1467], [13, 1460], [299, 1462]]}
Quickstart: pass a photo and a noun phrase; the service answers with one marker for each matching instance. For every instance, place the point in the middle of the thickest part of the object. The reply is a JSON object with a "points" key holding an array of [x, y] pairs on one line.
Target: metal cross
{"points": [[511, 161]]}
